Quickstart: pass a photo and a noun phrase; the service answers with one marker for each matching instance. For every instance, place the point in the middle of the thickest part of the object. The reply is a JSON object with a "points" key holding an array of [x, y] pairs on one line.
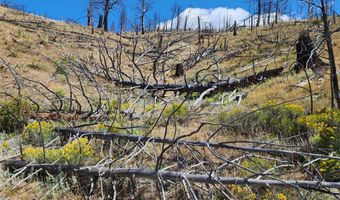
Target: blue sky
{"points": [[76, 9], [58, 9]]}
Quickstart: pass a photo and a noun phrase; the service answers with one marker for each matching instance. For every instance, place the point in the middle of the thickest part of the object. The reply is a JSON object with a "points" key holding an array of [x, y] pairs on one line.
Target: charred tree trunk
{"points": [[327, 35], [235, 28], [179, 70], [258, 13], [100, 22], [143, 17], [89, 14], [276, 11], [199, 29], [106, 15], [269, 12], [306, 55]]}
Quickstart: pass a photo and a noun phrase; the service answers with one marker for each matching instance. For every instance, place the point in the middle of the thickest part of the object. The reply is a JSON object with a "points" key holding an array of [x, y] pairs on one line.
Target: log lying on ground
{"points": [[90, 171], [67, 132], [222, 86]]}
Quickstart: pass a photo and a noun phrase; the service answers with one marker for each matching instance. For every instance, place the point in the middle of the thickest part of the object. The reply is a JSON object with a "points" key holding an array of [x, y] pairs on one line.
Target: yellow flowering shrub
{"points": [[36, 154], [101, 127], [76, 152], [330, 169], [326, 129], [5, 144], [242, 192], [281, 196], [152, 107], [34, 132], [125, 106], [270, 194], [252, 193]]}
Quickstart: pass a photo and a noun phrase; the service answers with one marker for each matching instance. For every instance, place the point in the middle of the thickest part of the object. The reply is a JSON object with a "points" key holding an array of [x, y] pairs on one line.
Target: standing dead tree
{"points": [[104, 7], [328, 38], [143, 8]]}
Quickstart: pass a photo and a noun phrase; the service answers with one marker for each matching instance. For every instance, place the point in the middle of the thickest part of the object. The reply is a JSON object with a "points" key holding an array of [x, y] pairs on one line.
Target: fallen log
{"points": [[222, 86], [69, 132], [92, 171]]}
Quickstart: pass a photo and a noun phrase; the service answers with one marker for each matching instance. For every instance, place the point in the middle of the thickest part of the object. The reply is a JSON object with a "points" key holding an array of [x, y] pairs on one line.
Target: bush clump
{"points": [[244, 124], [282, 120], [14, 115], [35, 133], [254, 164], [77, 152], [177, 110], [325, 127]]}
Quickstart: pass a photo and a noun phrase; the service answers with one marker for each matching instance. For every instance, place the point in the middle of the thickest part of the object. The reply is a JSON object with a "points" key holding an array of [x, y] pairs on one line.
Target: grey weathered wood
{"points": [[143, 139], [90, 171], [222, 86]]}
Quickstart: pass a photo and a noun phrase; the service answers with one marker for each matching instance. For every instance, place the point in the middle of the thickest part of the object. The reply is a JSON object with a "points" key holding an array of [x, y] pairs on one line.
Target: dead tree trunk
{"points": [[179, 70], [258, 13], [89, 14], [106, 15], [334, 78], [306, 55], [199, 29], [100, 22], [269, 12], [235, 28], [276, 11]]}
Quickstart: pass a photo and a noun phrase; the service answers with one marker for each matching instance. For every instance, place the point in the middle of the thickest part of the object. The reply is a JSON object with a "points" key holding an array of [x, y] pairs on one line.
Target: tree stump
{"points": [[306, 55], [179, 70]]}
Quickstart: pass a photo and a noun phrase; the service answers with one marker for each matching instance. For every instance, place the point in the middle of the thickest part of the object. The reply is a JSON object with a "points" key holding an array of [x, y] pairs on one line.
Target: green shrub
{"points": [[255, 164], [281, 120], [244, 124], [34, 132], [177, 110], [113, 128], [14, 115]]}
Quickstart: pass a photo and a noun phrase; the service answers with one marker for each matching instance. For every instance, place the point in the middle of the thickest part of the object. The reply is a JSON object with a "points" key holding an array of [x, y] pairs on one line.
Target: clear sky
{"points": [[76, 9]]}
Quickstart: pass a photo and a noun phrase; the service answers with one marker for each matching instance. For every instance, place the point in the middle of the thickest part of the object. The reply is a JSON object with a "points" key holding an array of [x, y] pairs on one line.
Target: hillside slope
{"points": [[56, 74]]}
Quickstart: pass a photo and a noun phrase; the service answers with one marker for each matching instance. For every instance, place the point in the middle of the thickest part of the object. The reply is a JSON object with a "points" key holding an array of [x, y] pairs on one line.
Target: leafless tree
{"points": [[328, 38], [144, 7], [89, 14], [179, 18], [104, 7], [174, 11], [259, 7], [123, 20]]}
